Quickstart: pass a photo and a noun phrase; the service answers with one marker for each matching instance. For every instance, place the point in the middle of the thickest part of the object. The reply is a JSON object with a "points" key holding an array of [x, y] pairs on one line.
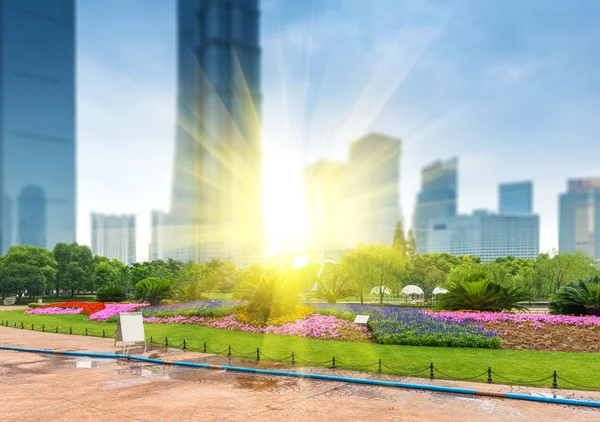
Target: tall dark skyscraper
{"points": [[437, 198], [216, 209], [515, 198], [37, 122]]}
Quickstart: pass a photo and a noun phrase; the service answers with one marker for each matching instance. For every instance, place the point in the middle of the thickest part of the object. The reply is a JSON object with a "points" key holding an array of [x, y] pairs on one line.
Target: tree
{"points": [[565, 267], [411, 245], [358, 266], [75, 266], [153, 290], [192, 281], [399, 242], [36, 257], [267, 296], [17, 277], [333, 286], [107, 272]]}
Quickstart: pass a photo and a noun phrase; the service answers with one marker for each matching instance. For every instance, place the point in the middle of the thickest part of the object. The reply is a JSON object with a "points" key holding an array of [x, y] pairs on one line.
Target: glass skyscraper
{"points": [[37, 122], [437, 198], [216, 207], [515, 198], [579, 217], [113, 236]]}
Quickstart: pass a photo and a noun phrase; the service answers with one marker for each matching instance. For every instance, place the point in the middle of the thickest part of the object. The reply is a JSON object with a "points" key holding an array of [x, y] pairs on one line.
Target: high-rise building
{"points": [[37, 122], [373, 188], [113, 236], [579, 217], [437, 198], [486, 235], [216, 199], [327, 206], [515, 198], [355, 202]]}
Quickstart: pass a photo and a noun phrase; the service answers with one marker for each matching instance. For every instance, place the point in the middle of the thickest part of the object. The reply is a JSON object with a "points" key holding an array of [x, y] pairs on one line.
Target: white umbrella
{"points": [[439, 291], [412, 290]]}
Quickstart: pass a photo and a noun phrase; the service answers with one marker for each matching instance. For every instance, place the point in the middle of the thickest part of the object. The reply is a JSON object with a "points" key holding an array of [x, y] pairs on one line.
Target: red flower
{"points": [[88, 308]]}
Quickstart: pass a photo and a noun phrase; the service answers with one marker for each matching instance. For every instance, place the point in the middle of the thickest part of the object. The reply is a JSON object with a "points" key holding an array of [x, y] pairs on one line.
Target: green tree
{"points": [[332, 286], [565, 267], [411, 245], [75, 265], [153, 290], [267, 296], [17, 277], [399, 242]]}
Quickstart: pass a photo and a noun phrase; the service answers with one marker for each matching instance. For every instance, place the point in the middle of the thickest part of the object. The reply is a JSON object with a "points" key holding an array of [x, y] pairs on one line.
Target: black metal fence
{"points": [[381, 367]]}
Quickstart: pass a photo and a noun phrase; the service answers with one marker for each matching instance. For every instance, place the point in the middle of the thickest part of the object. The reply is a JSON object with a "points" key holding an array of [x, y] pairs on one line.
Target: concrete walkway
{"points": [[36, 387]]}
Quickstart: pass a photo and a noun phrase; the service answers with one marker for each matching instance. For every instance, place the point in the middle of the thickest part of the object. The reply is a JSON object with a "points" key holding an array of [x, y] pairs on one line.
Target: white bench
{"points": [[10, 300]]}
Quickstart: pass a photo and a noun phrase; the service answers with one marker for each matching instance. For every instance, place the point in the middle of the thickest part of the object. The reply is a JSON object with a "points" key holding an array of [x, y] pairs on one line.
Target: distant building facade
{"points": [[515, 198], [486, 235], [579, 217], [357, 201], [437, 198], [37, 123], [114, 236]]}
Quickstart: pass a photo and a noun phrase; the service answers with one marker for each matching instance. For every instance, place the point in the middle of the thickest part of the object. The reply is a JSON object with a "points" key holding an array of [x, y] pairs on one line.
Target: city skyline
{"points": [[448, 84]]}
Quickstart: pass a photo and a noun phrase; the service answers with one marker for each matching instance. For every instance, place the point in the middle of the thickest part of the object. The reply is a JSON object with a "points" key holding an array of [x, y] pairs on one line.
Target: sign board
{"points": [[130, 328], [361, 319]]}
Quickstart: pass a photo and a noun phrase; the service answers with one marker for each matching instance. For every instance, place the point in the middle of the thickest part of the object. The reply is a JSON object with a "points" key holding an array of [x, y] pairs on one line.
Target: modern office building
{"points": [[354, 202], [373, 188], [37, 122], [515, 198], [486, 235], [216, 202], [327, 208], [113, 236], [437, 198], [579, 217]]}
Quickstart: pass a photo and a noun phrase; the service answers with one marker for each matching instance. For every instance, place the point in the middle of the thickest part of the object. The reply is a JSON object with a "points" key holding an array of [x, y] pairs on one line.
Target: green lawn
{"points": [[581, 368]]}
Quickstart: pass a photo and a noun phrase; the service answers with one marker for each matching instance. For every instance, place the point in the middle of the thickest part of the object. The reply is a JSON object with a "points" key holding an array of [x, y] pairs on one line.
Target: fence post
{"points": [[431, 374], [229, 350], [293, 358], [204, 347], [22, 325], [333, 363], [151, 340], [103, 333], [31, 327], [70, 330], [489, 375], [257, 354], [43, 328], [57, 329], [166, 341], [15, 325], [184, 345], [379, 366], [554, 381], [86, 331]]}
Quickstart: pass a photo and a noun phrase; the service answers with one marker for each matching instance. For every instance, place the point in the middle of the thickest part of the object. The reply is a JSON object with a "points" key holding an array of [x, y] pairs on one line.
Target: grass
{"points": [[515, 365]]}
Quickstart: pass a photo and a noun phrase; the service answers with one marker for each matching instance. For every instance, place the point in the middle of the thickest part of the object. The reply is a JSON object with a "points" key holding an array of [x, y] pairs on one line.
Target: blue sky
{"points": [[511, 87]]}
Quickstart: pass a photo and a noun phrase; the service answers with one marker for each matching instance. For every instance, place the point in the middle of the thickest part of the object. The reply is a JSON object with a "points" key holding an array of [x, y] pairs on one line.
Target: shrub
{"points": [[34, 305], [113, 292], [153, 290], [268, 296], [579, 297], [333, 291], [482, 295]]}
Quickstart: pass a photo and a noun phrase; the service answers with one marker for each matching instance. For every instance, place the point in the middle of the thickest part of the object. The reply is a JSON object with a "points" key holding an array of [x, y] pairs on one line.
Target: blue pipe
{"points": [[569, 402]]}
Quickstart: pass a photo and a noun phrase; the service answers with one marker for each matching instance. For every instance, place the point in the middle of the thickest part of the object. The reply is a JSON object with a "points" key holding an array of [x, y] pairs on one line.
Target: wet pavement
{"points": [[35, 387]]}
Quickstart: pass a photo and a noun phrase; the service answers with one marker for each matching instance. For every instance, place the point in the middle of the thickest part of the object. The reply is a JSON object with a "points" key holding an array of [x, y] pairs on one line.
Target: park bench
{"points": [[10, 300]]}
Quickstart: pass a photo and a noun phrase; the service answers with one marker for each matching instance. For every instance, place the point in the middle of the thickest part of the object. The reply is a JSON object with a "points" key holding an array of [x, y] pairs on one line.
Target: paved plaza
{"points": [[35, 387]]}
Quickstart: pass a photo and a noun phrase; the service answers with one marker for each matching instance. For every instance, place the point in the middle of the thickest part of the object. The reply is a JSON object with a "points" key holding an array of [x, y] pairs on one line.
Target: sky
{"points": [[511, 87]]}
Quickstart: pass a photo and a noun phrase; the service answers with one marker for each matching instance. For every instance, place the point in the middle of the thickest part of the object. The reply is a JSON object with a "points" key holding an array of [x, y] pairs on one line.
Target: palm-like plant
{"points": [[268, 296], [153, 290], [578, 297], [482, 295], [332, 292], [113, 292]]}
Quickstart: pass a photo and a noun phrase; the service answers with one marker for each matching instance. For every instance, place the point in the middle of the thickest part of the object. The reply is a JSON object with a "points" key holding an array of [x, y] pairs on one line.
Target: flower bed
{"points": [[396, 325], [53, 310], [535, 320], [114, 309], [87, 308], [199, 308]]}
